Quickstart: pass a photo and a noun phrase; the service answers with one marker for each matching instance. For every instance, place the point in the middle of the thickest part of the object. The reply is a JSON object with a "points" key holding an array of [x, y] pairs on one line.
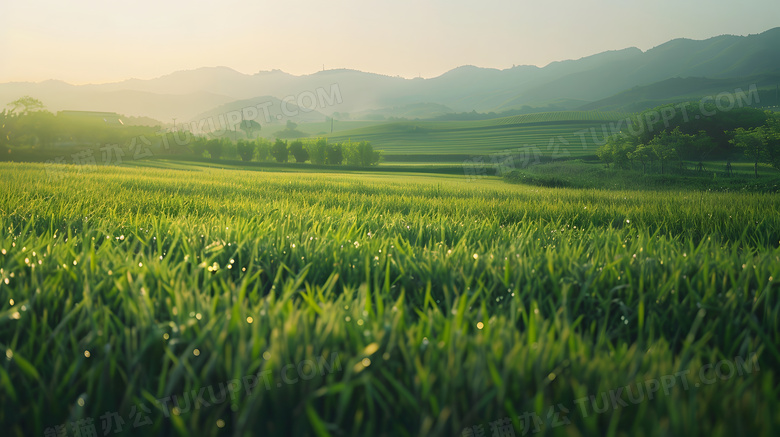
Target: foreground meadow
{"points": [[198, 301]]}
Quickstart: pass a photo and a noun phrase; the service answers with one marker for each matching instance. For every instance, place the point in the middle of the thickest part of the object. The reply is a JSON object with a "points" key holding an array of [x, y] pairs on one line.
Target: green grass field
{"points": [[554, 134], [188, 300], [582, 174]]}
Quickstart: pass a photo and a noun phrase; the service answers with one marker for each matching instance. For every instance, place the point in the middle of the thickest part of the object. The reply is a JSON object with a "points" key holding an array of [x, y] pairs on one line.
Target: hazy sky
{"points": [[85, 41]]}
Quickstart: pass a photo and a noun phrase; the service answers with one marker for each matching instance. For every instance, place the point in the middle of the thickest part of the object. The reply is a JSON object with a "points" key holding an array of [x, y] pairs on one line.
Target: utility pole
{"points": [[174, 124]]}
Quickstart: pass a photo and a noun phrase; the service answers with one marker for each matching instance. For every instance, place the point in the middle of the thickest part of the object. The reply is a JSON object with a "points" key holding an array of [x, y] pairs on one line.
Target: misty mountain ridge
{"points": [[189, 94]]}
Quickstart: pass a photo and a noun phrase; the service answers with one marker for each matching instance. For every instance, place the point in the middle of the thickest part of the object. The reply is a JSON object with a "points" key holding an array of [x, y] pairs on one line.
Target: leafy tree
{"points": [[617, 150], [361, 154], [606, 153], [44, 127], [198, 146], [215, 147], [335, 154], [773, 141], [249, 127], [26, 104], [666, 145], [351, 155], [229, 150], [6, 121], [279, 151], [38, 128], [368, 156], [298, 152], [262, 149], [318, 151], [245, 149], [643, 154], [751, 143], [622, 149], [761, 144], [700, 148]]}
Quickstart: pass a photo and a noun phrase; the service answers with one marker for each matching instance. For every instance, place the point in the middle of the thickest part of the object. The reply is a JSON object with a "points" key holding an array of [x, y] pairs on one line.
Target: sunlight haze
{"points": [[98, 41], [390, 218]]}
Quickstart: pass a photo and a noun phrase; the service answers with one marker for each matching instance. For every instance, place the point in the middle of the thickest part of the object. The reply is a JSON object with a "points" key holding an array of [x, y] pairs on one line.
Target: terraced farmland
{"points": [[555, 134]]}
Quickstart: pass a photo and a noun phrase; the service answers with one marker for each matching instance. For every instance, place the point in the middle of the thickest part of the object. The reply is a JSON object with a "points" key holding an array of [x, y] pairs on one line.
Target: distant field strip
{"points": [[572, 134]]}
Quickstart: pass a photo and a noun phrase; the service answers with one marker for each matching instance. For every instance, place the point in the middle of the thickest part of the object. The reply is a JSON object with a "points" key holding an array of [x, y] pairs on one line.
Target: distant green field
{"points": [[317, 129], [553, 134], [187, 300]]}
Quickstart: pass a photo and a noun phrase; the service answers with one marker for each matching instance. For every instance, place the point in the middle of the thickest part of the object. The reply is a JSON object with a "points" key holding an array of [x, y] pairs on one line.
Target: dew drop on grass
{"points": [[480, 325], [196, 352], [87, 354], [250, 320]]}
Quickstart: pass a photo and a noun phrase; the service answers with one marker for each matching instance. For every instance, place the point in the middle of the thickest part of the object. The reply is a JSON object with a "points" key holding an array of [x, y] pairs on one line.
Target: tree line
{"points": [[316, 151], [27, 124], [664, 138]]}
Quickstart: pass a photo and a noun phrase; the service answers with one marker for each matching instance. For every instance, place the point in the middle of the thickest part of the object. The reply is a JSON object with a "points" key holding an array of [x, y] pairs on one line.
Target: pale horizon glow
{"points": [[100, 41]]}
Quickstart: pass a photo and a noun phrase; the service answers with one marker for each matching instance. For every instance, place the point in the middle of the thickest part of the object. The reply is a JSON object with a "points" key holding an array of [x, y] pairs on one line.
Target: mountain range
{"points": [[620, 79]]}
